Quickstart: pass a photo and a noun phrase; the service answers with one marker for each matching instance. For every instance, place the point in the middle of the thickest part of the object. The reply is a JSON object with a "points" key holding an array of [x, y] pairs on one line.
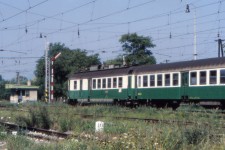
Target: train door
{"points": [[135, 87], [184, 85], [89, 89], [81, 87], [129, 89]]}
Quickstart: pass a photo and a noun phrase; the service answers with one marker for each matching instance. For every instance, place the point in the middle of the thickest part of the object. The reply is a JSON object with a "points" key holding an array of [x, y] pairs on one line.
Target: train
{"points": [[162, 85]]}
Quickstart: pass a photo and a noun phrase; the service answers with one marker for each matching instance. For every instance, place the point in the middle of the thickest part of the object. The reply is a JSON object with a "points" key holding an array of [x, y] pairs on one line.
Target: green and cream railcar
{"points": [[161, 84]]}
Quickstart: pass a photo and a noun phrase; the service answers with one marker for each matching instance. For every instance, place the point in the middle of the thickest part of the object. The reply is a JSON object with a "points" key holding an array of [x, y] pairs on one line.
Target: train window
{"points": [[159, 80], [202, 77], [94, 84], [145, 81], [222, 76], [120, 82], [139, 81], [103, 83], [193, 78], [213, 76], [99, 83], [175, 79], [109, 83], [167, 79], [75, 85], [114, 82], [152, 80]]}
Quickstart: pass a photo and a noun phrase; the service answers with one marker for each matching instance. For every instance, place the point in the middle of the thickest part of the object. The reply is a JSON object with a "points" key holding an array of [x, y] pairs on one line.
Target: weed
{"points": [[195, 135]]}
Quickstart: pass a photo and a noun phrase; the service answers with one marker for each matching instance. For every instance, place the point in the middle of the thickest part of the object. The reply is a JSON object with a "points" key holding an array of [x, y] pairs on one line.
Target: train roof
{"points": [[102, 72], [209, 63], [183, 66]]}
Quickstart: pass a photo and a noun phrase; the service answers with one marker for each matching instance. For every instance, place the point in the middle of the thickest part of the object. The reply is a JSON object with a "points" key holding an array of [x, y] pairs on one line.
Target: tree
{"points": [[2, 89], [117, 60], [22, 80], [3, 92], [70, 61], [136, 49]]}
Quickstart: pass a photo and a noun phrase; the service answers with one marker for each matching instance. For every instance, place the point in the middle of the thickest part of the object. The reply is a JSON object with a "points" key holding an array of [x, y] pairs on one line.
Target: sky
{"points": [[100, 24]]}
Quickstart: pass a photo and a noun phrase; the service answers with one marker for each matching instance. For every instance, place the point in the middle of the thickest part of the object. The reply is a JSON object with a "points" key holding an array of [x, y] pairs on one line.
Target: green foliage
{"points": [[136, 49], [123, 133], [22, 80], [3, 132], [44, 118], [70, 61], [4, 94], [195, 135], [37, 118], [118, 60], [18, 143], [66, 124]]}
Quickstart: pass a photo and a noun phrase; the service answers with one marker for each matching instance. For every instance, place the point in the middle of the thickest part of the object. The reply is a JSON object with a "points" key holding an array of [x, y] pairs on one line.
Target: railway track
{"points": [[36, 132], [151, 120]]}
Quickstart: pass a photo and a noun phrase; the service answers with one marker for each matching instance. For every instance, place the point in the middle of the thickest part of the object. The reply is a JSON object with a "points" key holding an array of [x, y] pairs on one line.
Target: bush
{"points": [[44, 118], [36, 118], [65, 124], [195, 136]]}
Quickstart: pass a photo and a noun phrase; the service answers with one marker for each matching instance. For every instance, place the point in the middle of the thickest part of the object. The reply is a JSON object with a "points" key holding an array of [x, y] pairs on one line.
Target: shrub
{"points": [[36, 118], [44, 118], [195, 136], [65, 124]]}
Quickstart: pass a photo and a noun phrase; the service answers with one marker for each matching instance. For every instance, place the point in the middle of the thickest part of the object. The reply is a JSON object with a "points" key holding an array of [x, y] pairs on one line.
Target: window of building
{"points": [[213, 77], [27, 93], [75, 85], [222, 76], [159, 80], [109, 83], [114, 82], [193, 78], [104, 83], [145, 81], [120, 82], [23, 92], [175, 79], [167, 79], [94, 84], [202, 77], [152, 80], [99, 83], [139, 81]]}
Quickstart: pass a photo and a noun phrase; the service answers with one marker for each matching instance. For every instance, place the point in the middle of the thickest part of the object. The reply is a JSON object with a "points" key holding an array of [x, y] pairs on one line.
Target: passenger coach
{"points": [[160, 84]]}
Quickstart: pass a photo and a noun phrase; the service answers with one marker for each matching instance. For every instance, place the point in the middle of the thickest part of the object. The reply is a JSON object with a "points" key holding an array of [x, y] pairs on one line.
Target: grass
{"points": [[118, 133]]}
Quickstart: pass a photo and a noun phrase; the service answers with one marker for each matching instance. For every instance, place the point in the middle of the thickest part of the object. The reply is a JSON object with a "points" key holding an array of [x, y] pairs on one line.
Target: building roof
{"points": [[24, 87]]}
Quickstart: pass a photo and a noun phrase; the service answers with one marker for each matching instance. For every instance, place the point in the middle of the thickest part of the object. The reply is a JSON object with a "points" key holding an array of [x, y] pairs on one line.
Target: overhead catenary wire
{"points": [[100, 27], [148, 18], [10, 17]]}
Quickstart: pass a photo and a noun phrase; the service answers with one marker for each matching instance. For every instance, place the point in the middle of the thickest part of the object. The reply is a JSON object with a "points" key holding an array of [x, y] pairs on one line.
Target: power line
{"points": [[8, 18], [2, 50], [140, 19]]}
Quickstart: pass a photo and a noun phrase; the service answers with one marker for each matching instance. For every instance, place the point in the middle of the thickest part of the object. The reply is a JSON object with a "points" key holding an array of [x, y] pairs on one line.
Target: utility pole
{"points": [[18, 77], [220, 47], [46, 72], [195, 32], [53, 59]]}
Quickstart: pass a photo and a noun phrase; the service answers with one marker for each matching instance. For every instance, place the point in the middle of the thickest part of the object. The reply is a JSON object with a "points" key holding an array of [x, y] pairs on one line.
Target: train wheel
{"points": [[223, 105], [175, 105]]}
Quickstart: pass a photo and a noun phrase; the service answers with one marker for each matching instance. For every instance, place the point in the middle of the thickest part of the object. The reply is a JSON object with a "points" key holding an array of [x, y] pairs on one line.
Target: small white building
{"points": [[22, 93]]}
